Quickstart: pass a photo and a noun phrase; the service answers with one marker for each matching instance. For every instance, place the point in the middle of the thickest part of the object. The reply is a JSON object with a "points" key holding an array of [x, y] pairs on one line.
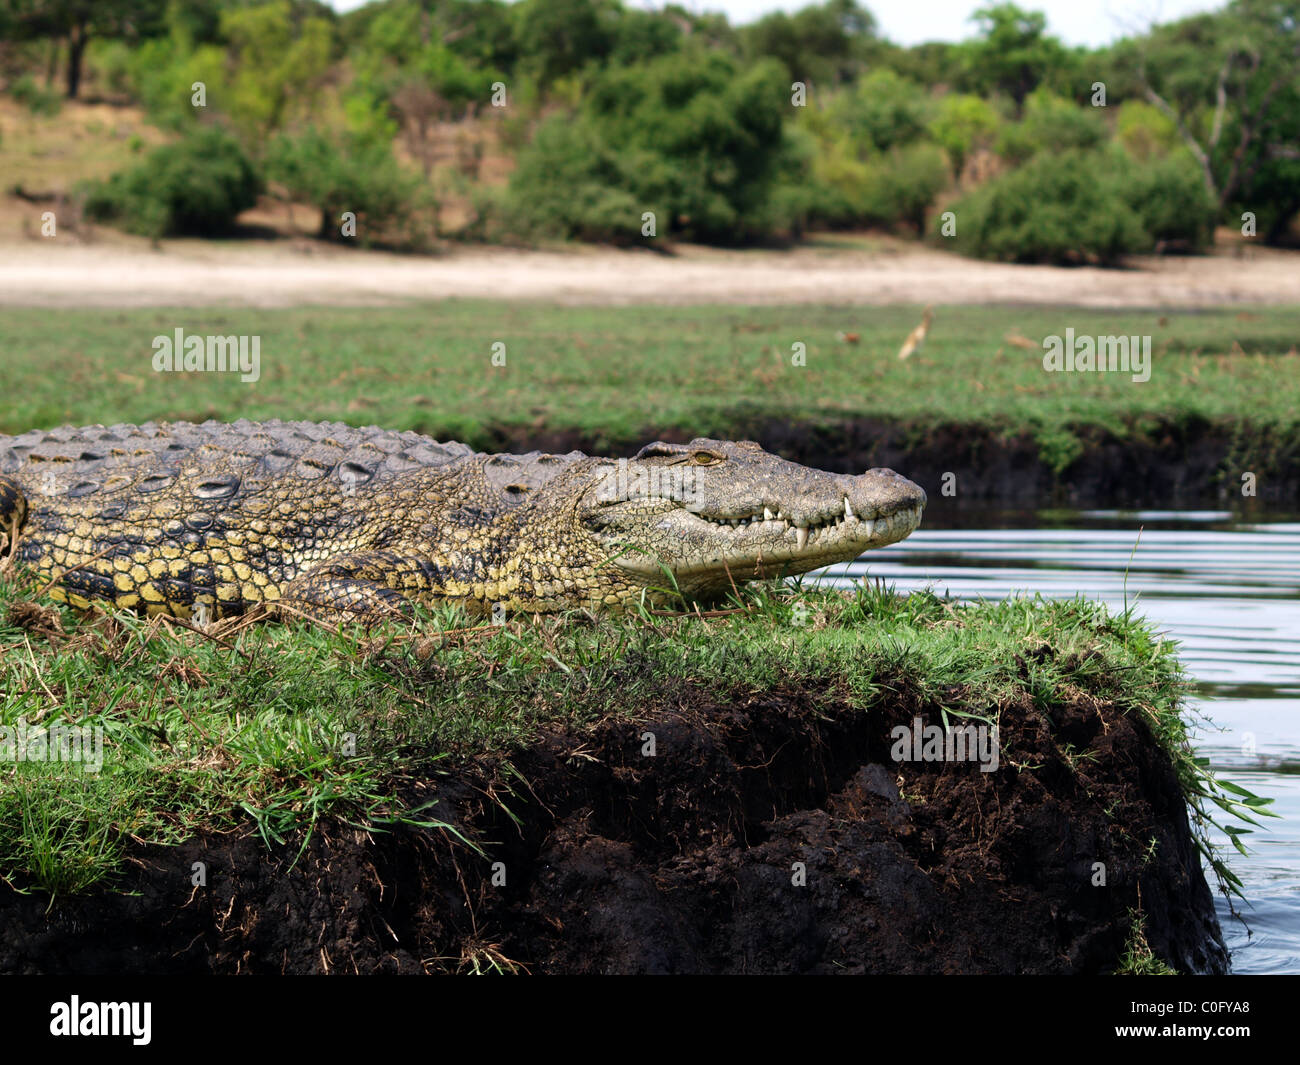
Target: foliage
{"points": [[1144, 131], [1012, 54], [1064, 209], [882, 112], [344, 172], [278, 61], [962, 124], [819, 44], [1218, 86], [196, 187], [1170, 198], [36, 98], [693, 139], [1227, 82], [1051, 124]]}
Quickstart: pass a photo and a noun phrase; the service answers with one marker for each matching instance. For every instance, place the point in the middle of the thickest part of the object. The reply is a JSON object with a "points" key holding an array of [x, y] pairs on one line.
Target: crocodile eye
{"points": [[706, 458]]}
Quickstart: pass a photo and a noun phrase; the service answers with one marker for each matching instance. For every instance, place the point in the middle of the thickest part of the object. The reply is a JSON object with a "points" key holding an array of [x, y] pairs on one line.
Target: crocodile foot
{"points": [[13, 508]]}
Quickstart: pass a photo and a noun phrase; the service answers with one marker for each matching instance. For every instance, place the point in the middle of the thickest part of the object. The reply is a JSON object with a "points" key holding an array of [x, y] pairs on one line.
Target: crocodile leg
{"points": [[13, 509], [353, 588]]}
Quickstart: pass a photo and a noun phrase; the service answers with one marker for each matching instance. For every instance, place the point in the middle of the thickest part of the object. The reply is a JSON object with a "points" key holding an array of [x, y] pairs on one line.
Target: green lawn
{"points": [[616, 374]]}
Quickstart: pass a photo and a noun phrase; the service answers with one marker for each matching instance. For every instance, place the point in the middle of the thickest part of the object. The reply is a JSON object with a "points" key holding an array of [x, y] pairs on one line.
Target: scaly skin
{"points": [[336, 522]]}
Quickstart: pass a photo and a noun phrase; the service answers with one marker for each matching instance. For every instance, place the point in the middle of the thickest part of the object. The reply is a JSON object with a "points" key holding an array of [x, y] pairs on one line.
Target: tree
{"points": [[826, 42], [406, 65], [1228, 82], [963, 124], [1012, 55], [277, 62], [882, 111], [560, 37], [77, 22], [692, 137]]}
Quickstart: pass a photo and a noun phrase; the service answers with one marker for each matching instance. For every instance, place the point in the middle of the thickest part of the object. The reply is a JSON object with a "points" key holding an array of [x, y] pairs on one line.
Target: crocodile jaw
{"points": [[754, 516], [710, 553], [780, 546]]}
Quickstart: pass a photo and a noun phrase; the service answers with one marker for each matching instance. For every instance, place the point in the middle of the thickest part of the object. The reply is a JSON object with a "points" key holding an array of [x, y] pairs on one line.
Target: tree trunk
{"points": [[76, 49]]}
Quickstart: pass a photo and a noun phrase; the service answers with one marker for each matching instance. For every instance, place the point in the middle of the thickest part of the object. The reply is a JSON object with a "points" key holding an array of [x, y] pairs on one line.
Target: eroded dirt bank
{"points": [[1166, 463], [682, 862]]}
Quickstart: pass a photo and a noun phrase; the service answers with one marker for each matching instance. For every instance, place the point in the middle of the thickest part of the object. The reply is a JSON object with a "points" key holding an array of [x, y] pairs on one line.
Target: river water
{"points": [[1228, 589]]}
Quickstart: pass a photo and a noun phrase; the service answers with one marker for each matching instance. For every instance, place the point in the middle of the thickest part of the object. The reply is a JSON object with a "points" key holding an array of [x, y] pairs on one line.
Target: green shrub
{"points": [[1171, 199], [1144, 131], [348, 173], [688, 137], [35, 97], [1066, 209], [578, 185], [162, 73], [882, 112], [883, 189], [195, 187], [962, 124], [1051, 124], [903, 185]]}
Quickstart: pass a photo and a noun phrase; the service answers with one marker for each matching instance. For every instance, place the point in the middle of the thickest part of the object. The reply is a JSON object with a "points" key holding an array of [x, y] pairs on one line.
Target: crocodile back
{"points": [[308, 449]]}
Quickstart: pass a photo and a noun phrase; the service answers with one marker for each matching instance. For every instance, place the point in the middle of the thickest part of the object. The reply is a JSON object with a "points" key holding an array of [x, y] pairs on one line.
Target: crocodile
{"points": [[334, 522]]}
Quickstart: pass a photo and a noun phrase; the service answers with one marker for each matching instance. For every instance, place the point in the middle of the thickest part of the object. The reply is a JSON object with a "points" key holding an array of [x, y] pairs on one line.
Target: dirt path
{"points": [[191, 273]]}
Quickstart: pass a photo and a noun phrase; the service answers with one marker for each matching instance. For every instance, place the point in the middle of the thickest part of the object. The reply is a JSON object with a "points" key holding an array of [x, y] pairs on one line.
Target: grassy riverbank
{"points": [[608, 376], [279, 727]]}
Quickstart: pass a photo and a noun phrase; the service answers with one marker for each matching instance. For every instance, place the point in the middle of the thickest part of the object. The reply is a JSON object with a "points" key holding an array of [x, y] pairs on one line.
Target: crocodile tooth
{"points": [[870, 530], [767, 514], [801, 535], [848, 510]]}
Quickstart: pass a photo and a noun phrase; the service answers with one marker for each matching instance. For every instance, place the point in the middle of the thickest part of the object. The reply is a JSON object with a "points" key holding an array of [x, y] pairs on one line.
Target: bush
{"points": [[902, 186], [1171, 199], [884, 111], [688, 137], [1064, 209], [347, 172], [579, 186], [36, 98], [196, 187], [162, 72], [1144, 131], [1051, 124], [884, 189], [962, 125]]}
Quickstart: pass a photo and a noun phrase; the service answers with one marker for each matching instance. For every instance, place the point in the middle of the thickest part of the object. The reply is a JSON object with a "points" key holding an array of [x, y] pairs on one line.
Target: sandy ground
{"points": [[278, 274]]}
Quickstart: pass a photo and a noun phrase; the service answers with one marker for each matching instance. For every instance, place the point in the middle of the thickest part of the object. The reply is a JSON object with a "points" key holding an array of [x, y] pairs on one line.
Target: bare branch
{"points": [[1192, 145], [1221, 100]]}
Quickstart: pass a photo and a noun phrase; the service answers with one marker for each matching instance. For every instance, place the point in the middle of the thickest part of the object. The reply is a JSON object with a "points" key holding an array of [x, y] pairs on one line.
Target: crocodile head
{"points": [[713, 511]]}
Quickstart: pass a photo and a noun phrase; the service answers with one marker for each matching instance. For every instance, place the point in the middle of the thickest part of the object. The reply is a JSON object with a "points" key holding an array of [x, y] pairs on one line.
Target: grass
{"points": [[282, 726], [1139, 959], [615, 374]]}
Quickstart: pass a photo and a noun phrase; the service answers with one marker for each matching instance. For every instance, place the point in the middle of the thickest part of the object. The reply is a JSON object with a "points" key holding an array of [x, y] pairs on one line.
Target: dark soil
{"points": [[683, 862], [1161, 464]]}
